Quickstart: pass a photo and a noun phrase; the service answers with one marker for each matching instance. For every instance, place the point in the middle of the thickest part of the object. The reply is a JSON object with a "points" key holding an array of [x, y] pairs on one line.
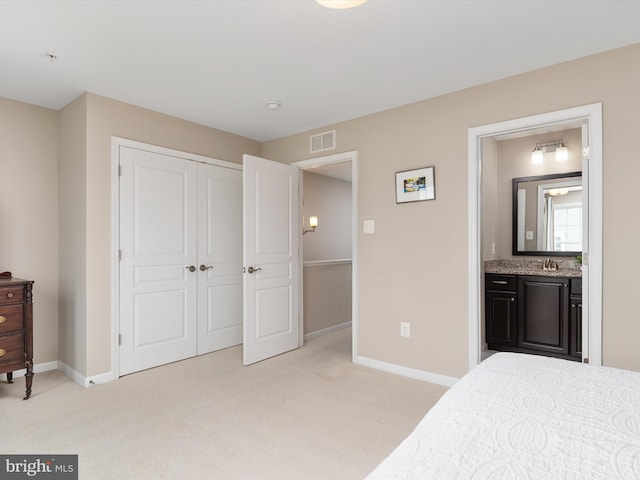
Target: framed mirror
{"points": [[547, 215]]}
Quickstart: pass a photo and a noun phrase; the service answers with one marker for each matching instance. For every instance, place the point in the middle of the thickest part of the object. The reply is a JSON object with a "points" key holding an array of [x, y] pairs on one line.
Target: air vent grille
{"points": [[322, 141]]}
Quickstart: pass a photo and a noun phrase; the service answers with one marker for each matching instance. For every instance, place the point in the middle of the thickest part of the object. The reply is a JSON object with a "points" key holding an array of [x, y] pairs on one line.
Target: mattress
{"points": [[527, 417]]}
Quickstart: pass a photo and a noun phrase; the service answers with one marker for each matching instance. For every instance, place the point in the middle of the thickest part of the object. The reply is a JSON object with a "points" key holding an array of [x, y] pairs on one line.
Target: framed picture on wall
{"points": [[416, 185]]}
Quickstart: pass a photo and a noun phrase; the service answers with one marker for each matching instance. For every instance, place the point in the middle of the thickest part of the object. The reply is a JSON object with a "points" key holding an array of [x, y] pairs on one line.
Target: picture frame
{"points": [[416, 185]]}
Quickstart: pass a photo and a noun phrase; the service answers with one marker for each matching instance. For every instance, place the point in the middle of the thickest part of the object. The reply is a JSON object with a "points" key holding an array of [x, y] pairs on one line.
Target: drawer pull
{"points": [[3, 352], [499, 282], [9, 295], [2, 319]]}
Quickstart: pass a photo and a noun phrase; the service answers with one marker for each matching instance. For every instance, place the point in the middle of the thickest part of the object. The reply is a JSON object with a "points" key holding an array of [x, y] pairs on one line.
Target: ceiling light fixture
{"points": [[274, 105], [341, 4]]}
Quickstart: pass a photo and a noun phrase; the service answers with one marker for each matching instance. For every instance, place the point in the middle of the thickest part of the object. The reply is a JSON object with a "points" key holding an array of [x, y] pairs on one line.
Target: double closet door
{"points": [[181, 279]]}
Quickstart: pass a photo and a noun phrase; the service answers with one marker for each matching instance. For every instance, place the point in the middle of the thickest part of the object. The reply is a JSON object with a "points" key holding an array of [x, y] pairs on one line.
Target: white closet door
{"points": [[158, 235], [219, 258]]}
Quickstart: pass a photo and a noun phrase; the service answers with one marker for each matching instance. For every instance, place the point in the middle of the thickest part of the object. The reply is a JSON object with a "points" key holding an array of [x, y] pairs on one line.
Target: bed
{"points": [[526, 417]]}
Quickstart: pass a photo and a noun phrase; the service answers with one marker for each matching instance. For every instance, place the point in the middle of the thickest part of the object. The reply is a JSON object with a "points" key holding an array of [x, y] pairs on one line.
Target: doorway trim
{"points": [[591, 116], [328, 160]]}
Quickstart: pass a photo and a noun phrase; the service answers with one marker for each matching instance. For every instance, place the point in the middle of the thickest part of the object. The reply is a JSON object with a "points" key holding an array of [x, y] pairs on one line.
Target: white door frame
{"points": [[592, 270], [116, 143], [328, 160]]}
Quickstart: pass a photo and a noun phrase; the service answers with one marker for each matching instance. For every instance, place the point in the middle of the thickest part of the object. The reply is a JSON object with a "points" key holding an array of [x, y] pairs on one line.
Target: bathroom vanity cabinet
{"points": [[534, 314]]}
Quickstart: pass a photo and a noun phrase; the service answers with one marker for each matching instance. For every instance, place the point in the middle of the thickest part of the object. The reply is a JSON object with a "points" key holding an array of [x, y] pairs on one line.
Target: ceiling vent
{"points": [[322, 141]]}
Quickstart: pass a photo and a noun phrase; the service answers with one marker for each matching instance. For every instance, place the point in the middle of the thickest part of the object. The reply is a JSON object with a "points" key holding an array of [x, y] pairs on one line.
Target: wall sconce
{"points": [[558, 146], [313, 223]]}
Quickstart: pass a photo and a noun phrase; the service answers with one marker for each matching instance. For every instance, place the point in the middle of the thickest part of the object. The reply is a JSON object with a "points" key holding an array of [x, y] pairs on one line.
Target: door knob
{"points": [[191, 268], [252, 270], [205, 267]]}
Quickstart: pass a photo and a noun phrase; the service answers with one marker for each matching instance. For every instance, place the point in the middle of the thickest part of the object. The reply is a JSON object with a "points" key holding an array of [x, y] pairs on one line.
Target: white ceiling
{"points": [[216, 63]]}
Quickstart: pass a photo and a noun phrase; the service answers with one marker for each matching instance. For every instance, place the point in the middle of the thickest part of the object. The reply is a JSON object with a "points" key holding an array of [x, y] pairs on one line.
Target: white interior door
{"points": [[219, 258], [270, 204], [158, 228]]}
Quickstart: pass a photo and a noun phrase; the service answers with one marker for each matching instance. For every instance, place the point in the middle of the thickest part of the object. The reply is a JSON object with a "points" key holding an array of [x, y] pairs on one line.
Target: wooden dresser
{"points": [[16, 329]]}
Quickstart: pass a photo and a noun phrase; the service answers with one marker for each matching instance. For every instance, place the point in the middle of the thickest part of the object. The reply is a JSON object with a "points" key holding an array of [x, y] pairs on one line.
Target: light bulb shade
{"points": [[313, 221], [562, 153], [537, 156], [341, 4]]}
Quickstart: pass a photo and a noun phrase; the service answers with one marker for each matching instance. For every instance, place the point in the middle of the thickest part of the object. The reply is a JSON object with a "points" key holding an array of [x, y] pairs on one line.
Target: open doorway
{"points": [[328, 253], [588, 119]]}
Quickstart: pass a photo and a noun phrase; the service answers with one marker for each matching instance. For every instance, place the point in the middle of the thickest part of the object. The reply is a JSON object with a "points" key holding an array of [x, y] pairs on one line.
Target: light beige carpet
{"points": [[308, 414]]}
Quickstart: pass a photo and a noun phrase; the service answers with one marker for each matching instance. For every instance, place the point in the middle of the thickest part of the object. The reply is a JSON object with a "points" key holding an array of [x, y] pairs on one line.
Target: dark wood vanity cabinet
{"points": [[575, 318], [543, 314], [500, 310], [533, 314]]}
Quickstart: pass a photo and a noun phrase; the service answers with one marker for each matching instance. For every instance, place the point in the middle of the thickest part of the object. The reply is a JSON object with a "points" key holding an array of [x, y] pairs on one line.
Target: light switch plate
{"points": [[368, 226]]}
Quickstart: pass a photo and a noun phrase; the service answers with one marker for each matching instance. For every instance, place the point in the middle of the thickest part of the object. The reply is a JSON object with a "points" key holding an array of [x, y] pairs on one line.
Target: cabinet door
{"points": [[576, 327], [501, 319], [543, 314]]}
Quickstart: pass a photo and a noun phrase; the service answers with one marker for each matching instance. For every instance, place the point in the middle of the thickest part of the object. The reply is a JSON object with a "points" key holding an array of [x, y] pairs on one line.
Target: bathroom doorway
{"points": [[589, 120]]}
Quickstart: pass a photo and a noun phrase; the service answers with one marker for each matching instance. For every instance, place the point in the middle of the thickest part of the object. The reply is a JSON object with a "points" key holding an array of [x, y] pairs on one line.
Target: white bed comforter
{"points": [[525, 417]]}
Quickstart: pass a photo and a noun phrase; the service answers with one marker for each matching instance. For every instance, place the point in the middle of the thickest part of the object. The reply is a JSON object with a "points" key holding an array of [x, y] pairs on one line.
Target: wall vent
{"points": [[322, 141]]}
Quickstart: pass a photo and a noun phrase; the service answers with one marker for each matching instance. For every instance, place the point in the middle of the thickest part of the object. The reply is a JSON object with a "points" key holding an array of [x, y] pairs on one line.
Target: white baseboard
{"points": [[406, 371], [83, 381], [324, 331]]}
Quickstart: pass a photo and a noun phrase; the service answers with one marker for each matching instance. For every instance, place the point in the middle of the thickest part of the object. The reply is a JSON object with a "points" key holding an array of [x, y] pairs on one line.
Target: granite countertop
{"points": [[567, 267]]}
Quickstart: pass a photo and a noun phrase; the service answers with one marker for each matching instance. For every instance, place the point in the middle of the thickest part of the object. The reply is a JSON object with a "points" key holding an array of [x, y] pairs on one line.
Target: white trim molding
{"points": [[324, 331], [326, 263], [590, 116], [406, 371]]}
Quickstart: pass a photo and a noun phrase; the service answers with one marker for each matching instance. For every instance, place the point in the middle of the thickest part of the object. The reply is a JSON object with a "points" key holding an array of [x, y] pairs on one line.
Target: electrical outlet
{"points": [[405, 329]]}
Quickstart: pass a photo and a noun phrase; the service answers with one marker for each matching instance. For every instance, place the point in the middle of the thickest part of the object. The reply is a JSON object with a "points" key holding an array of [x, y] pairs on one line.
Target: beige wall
{"points": [[107, 118], [514, 160], [29, 212], [414, 268], [73, 250], [327, 288], [489, 189], [330, 200]]}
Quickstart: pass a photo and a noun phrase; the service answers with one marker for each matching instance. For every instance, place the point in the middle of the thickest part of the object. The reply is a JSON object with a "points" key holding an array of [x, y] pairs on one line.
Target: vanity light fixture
{"points": [[313, 223], [537, 156], [558, 192], [562, 153], [558, 146]]}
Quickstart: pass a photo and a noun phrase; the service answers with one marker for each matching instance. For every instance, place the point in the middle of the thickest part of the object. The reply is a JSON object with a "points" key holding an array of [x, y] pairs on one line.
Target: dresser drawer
{"points": [[12, 294], [11, 318], [494, 281], [12, 348]]}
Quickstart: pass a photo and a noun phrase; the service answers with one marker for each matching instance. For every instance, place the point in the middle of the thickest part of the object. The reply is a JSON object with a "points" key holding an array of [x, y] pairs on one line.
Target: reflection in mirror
{"points": [[547, 215]]}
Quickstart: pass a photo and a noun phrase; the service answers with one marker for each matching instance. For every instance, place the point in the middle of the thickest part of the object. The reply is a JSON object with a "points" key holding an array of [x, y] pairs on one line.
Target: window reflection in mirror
{"points": [[547, 215]]}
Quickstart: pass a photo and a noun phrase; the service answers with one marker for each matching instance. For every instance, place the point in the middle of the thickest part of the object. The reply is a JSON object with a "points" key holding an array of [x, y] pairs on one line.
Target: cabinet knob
{"points": [[3, 319], [513, 299], [9, 295], [3, 352]]}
